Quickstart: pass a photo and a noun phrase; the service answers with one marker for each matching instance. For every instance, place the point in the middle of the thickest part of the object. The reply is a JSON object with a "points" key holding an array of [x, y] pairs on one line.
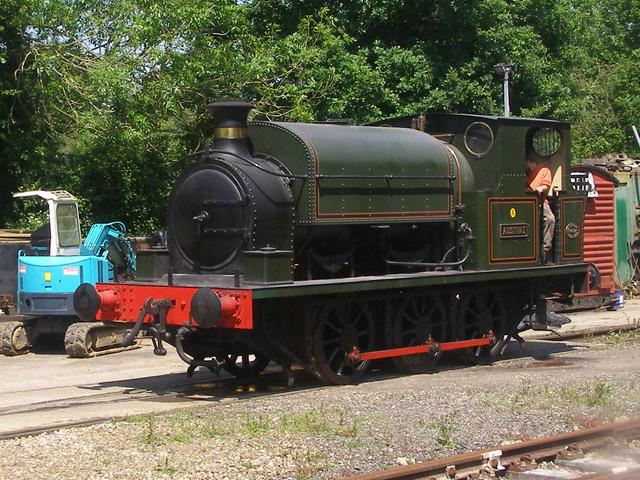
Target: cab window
{"points": [[478, 138], [68, 228]]}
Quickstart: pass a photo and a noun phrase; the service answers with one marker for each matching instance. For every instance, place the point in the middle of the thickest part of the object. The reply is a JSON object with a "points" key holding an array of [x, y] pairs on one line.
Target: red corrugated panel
{"points": [[599, 230]]}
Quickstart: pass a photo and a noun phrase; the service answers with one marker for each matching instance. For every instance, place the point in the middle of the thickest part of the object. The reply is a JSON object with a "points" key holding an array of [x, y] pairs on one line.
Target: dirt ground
{"points": [[264, 431], [46, 389]]}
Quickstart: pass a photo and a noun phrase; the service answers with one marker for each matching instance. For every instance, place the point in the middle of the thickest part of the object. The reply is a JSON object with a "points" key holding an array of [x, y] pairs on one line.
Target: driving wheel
{"points": [[480, 311], [336, 329], [418, 319]]}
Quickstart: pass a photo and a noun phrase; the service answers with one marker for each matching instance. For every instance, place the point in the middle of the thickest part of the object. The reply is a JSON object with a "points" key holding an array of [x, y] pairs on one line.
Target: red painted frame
{"points": [[429, 347], [122, 303]]}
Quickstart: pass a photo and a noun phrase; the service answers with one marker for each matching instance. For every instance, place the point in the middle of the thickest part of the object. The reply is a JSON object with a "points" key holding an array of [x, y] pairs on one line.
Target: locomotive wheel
{"points": [[336, 329], [242, 366], [418, 318], [479, 312]]}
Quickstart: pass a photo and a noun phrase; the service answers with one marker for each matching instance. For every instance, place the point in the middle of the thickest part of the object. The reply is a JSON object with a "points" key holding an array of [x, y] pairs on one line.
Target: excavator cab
{"points": [[61, 235]]}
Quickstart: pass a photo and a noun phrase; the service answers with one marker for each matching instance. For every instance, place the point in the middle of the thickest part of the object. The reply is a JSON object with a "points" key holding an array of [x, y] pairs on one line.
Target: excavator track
{"points": [[91, 339], [13, 339]]}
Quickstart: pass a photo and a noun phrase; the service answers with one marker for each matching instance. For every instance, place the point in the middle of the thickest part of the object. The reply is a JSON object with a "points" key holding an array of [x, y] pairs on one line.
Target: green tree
{"points": [[24, 145], [125, 86], [108, 98]]}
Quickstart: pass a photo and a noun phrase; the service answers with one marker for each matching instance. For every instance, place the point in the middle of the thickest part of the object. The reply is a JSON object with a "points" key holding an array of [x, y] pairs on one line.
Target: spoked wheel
{"points": [[480, 311], [335, 330], [245, 365], [418, 318]]}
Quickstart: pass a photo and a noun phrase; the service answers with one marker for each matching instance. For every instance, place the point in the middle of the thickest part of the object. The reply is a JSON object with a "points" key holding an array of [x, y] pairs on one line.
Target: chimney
{"points": [[230, 126]]}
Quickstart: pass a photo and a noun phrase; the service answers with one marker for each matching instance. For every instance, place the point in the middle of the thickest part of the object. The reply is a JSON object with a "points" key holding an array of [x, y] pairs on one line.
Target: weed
{"points": [[310, 465], [445, 430], [351, 430], [183, 423], [599, 395], [182, 436], [137, 419], [305, 473], [165, 468], [620, 336], [314, 457], [591, 394], [313, 421], [321, 422], [256, 425], [355, 444], [182, 418], [211, 431], [150, 435], [522, 399]]}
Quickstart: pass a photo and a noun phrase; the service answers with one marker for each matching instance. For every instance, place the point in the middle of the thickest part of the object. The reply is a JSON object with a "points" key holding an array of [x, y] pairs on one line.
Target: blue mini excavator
{"points": [[53, 266]]}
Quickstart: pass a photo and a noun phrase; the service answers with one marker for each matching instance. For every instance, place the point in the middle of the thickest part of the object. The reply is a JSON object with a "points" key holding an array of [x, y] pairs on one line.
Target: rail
{"points": [[517, 456]]}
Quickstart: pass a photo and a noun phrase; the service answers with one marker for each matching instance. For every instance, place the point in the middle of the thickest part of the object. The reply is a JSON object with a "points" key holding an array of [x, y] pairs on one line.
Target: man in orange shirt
{"points": [[539, 181]]}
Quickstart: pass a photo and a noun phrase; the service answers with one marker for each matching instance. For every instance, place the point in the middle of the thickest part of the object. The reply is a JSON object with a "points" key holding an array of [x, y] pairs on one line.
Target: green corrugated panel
{"points": [[626, 201]]}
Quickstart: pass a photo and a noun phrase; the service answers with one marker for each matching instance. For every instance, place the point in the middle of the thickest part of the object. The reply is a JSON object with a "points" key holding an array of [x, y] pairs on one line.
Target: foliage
{"points": [[108, 98]]}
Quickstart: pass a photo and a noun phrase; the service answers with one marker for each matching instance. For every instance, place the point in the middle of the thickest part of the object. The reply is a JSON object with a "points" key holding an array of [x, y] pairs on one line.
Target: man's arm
{"points": [[543, 181], [542, 189]]}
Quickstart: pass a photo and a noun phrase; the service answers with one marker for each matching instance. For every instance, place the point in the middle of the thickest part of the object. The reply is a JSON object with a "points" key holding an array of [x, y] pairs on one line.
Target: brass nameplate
{"points": [[514, 230]]}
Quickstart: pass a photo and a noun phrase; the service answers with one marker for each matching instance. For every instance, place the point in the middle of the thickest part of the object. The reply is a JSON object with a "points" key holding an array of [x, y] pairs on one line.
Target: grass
{"points": [[256, 425], [598, 394], [621, 336], [590, 393], [322, 422], [188, 426], [150, 431], [445, 430], [182, 424], [309, 465], [214, 430], [522, 398], [165, 468]]}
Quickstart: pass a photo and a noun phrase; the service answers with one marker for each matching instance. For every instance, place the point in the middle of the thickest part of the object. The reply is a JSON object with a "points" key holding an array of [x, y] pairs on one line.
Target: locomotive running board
{"points": [[430, 347], [576, 272]]}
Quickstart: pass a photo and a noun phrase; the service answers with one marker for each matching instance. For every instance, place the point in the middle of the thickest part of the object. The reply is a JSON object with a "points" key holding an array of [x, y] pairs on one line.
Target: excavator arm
{"points": [[110, 240]]}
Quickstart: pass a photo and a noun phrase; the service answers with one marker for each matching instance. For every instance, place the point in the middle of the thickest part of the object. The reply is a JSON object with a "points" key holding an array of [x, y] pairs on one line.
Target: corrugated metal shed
{"points": [[599, 226]]}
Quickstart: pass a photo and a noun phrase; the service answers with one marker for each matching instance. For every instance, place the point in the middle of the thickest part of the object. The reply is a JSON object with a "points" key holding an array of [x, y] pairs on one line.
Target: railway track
{"points": [[37, 417], [603, 452], [34, 418]]}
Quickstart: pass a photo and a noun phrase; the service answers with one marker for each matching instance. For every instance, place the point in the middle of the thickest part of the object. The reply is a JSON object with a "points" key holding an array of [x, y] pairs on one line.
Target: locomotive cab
{"points": [[496, 150]]}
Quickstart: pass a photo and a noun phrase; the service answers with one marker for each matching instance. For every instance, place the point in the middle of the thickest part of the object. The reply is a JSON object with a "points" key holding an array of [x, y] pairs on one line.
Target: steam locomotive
{"points": [[328, 246]]}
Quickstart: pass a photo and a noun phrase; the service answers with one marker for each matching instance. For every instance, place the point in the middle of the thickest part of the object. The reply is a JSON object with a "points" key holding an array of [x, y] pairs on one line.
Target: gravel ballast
{"points": [[330, 432]]}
